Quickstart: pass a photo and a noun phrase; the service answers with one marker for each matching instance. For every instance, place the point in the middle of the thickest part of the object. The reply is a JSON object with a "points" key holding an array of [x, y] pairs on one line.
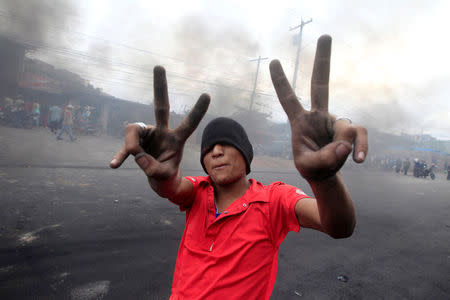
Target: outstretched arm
{"points": [[321, 145], [158, 150]]}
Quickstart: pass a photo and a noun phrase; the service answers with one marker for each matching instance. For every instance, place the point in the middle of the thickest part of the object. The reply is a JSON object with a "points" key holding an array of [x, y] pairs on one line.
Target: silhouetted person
{"points": [[67, 123], [406, 165], [36, 112], [398, 165], [54, 118]]}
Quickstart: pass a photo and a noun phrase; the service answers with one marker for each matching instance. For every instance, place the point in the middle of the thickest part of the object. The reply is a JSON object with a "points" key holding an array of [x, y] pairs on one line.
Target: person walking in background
{"points": [[448, 171], [398, 165], [406, 164], [18, 111], [55, 118], [37, 113], [67, 123], [45, 115]]}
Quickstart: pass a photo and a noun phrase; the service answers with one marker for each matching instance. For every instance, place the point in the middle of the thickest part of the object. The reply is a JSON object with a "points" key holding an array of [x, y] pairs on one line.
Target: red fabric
{"points": [[235, 255]]}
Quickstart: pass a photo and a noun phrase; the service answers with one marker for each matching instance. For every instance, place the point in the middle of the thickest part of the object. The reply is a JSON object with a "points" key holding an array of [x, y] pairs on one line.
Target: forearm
{"points": [[337, 214]]}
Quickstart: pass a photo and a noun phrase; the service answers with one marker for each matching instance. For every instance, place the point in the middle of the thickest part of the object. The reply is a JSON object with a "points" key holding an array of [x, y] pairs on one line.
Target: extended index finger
{"points": [[285, 93], [321, 75], [131, 146], [119, 158], [194, 117], [162, 106]]}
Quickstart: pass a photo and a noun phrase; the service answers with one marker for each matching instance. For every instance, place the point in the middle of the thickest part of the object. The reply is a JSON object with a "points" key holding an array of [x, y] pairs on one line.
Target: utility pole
{"points": [[299, 45], [256, 79]]}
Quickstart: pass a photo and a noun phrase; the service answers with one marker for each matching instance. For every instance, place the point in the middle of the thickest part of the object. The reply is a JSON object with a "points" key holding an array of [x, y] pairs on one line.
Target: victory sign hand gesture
{"points": [[320, 142], [158, 149]]}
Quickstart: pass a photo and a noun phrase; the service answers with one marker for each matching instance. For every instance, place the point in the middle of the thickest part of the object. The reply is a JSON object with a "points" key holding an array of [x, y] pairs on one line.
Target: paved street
{"points": [[71, 228]]}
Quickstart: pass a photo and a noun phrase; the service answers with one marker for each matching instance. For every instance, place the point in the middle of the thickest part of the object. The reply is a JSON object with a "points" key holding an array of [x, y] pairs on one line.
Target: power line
{"points": [[104, 60], [145, 87]]}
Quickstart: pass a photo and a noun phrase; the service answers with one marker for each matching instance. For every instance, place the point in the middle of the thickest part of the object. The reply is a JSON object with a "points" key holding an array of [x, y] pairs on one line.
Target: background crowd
{"points": [[31, 113]]}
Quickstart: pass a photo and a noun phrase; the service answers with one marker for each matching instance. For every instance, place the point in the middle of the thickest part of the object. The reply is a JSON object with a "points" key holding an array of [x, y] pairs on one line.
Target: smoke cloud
{"points": [[39, 21], [219, 56]]}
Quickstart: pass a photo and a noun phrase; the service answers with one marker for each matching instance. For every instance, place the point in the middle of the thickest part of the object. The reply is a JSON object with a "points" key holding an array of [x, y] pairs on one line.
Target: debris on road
{"points": [[94, 290], [29, 237], [6, 269], [342, 278]]}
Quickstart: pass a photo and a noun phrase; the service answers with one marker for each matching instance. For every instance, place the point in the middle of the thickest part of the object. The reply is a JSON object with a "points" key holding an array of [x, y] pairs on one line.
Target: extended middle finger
{"points": [[321, 75], [162, 106]]}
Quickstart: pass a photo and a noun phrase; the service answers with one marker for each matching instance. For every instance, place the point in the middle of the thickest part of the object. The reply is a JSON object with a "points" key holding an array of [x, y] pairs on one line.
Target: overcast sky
{"points": [[389, 69]]}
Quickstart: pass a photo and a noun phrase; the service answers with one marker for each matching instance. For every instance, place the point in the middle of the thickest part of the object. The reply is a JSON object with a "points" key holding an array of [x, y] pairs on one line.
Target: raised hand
{"points": [[159, 149], [320, 144]]}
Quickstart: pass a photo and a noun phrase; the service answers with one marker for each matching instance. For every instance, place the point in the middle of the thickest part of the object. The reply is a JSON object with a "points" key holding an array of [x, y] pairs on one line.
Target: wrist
{"points": [[165, 179], [165, 187], [318, 176], [323, 182]]}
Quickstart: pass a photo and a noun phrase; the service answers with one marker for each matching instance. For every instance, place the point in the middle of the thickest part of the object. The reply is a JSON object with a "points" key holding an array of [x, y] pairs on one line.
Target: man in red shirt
{"points": [[234, 226]]}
